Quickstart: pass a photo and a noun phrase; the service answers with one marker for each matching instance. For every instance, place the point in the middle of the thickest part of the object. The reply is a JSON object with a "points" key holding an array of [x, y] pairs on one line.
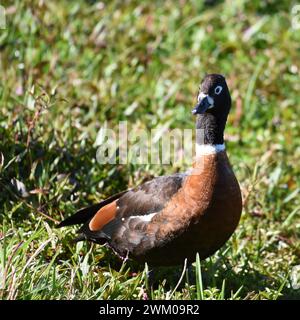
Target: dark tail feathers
{"points": [[85, 214]]}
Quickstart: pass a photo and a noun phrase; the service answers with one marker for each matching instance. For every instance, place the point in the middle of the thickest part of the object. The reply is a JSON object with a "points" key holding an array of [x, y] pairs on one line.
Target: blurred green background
{"points": [[70, 68]]}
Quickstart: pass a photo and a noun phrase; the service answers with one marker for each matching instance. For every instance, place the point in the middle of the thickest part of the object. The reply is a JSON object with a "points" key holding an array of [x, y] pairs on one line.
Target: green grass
{"points": [[68, 68]]}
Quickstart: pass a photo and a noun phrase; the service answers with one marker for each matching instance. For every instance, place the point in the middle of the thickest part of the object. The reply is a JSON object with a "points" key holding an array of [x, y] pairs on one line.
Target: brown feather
{"points": [[103, 216], [200, 217]]}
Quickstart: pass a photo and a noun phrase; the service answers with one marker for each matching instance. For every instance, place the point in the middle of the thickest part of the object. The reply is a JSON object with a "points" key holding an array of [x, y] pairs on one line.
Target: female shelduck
{"points": [[171, 218]]}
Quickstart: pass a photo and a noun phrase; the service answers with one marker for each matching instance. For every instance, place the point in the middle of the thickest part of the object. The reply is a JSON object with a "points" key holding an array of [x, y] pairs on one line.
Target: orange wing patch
{"points": [[103, 216]]}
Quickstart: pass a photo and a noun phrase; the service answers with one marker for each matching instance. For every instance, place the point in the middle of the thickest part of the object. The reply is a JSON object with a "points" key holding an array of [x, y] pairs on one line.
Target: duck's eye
{"points": [[218, 90]]}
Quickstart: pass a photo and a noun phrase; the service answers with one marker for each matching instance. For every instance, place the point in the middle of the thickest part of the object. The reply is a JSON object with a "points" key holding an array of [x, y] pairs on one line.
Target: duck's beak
{"points": [[205, 102]]}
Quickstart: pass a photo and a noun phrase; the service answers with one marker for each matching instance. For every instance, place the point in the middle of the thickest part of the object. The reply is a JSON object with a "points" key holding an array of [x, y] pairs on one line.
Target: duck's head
{"points": [[212, 108], [213, 96]]}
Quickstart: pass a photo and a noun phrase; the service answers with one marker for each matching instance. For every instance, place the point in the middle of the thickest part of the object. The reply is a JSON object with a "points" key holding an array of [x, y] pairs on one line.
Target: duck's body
{"points": [[171, 218], [201, 216]]}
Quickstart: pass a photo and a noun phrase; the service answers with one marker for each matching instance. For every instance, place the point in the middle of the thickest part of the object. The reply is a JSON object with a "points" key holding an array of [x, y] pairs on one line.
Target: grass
{"points": [[69, 68]]}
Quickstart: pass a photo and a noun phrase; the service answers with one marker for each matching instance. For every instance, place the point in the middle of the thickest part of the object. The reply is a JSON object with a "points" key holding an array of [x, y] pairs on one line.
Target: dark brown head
{"points": [[213, 96], [212, 108]]}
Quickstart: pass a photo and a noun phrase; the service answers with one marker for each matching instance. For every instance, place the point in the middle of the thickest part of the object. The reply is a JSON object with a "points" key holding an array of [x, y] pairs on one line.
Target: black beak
{"points": [[201, 106]]}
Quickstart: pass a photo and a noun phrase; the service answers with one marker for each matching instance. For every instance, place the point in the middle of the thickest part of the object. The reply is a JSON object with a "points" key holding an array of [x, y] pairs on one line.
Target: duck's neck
{"points": [[210, 134]]}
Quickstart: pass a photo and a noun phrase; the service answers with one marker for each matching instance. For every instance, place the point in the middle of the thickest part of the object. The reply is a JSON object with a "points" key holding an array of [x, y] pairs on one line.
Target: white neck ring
{"points": [[206, 149]]}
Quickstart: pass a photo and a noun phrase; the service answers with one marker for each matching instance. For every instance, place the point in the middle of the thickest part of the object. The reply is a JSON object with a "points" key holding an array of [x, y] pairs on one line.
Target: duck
{"points": [[170, 219]]}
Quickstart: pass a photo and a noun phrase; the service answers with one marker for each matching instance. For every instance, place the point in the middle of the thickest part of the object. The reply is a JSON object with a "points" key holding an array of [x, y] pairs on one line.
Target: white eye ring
{"points": [[218, 89]]}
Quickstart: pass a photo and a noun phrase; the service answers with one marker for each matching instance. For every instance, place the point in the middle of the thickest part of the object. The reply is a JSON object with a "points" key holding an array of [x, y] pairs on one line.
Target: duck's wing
{"points": [[103, 221], [87, 213]]}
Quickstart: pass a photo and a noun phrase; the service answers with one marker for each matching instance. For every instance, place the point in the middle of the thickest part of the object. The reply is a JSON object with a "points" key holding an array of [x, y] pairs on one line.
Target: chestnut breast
{"points": [[199, 218]]}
